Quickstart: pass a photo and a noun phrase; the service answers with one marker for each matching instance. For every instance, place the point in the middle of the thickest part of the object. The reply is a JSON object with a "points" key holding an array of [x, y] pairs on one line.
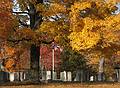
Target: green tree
{"points": [[72, 60]]}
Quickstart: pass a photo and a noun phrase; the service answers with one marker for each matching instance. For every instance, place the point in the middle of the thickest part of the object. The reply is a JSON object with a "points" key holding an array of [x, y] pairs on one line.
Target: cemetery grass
{"points": [[67, 85]]}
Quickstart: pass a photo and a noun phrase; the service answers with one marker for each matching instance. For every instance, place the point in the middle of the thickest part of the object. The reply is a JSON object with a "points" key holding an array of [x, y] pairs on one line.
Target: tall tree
{"points": [[35, 50]]}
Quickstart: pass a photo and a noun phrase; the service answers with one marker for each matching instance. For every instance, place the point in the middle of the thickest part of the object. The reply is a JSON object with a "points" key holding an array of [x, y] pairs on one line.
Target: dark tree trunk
{"points": [[35, 53], [35, 50]]}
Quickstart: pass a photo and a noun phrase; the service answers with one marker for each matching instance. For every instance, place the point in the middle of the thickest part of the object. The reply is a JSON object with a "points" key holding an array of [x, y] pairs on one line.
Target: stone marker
{"points": [[48, 75], [77, 77], [55, 75], [43, 75], [11, 76], [91, 78], [63, 76], [69, 76]]}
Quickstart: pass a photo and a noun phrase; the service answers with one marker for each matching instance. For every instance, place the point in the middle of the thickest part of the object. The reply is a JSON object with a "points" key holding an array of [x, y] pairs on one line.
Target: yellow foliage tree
{"points": [[92, 25]]}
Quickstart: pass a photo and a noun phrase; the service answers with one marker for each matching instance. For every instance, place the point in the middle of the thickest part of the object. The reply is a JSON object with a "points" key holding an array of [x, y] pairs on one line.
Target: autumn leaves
{"points": [[88, 31]]}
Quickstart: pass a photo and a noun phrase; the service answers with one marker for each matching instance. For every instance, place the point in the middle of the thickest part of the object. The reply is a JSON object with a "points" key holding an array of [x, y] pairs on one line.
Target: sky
{"points": [[118, 11]]}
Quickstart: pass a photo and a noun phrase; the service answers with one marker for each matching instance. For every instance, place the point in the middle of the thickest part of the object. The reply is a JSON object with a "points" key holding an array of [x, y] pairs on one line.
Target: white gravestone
{"points": [[48, 75], [69, 76], [55, 75], [12, 77], [91, 78]]}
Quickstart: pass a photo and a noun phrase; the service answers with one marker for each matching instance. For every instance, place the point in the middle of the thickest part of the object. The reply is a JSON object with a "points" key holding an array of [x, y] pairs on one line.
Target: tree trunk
{"points": [[100, 73], [35, 53], [35, 50]]}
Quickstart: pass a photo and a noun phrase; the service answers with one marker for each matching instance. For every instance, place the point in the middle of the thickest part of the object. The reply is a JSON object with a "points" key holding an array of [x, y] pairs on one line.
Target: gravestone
{"points": [[118, 73], [79, 76], [63, 76], [69, 76], [16, 76], [117, 69], [43, 75], [55, 75], [91, 78], [48, 75], [11, 76], [22, 76]]}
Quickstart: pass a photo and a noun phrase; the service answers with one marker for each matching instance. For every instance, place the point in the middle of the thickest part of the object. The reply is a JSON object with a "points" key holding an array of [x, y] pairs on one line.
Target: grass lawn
{"points": [[67, 85]]}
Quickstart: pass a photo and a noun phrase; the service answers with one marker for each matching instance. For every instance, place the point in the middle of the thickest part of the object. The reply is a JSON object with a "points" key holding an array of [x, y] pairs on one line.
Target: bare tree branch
{"points": [[23, 23], [20, 12]]}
